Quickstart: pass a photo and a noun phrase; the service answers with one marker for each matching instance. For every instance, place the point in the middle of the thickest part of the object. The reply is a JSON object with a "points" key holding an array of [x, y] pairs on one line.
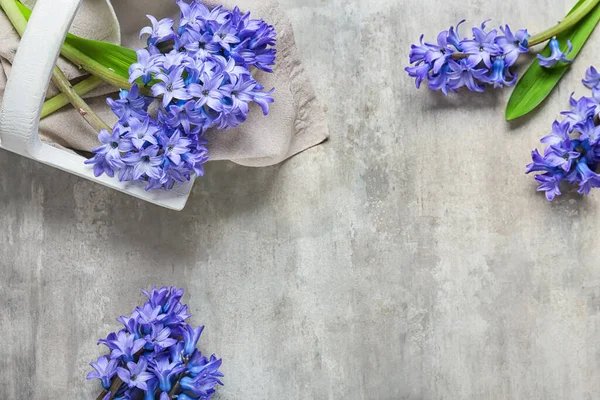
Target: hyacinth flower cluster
{"points": [[155, 356], [201, 73], [484, 59], [573, 146]]}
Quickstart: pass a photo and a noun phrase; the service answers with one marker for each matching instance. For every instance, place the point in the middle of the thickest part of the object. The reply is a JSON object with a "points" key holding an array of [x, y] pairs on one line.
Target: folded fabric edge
{"points": [[310, 125]]}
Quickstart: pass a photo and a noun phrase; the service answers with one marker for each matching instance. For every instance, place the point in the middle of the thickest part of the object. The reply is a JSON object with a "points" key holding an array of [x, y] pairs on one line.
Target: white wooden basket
{"points": [[25, 94]]}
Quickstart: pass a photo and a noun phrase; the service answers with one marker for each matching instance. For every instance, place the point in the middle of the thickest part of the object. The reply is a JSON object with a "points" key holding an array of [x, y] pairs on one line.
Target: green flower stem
{"points": [[61, 100], [11, 9], [570, 21], [19, 22], [61, 81], [90, 65]]}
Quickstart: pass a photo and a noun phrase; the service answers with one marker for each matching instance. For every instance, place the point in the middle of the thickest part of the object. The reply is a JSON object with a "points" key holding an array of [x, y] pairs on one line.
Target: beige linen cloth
{"points": [[295, 122]]}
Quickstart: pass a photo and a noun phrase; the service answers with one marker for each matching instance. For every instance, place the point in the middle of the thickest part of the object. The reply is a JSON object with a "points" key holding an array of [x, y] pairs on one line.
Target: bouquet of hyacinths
{"points": [[572, 154], [488, 57], [201, 73], [155, 356], [198, 73]]}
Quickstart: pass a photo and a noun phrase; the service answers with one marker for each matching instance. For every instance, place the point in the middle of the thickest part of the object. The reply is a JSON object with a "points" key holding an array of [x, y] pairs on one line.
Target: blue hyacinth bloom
{"points": [[557, 54]]}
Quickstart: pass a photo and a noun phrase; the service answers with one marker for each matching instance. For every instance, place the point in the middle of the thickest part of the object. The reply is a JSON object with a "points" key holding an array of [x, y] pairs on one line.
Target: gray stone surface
{"points": [[406, 258]]}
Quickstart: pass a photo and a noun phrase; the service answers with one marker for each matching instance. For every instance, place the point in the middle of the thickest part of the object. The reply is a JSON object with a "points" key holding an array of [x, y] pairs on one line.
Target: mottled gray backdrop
{"points": [[407, 258]]}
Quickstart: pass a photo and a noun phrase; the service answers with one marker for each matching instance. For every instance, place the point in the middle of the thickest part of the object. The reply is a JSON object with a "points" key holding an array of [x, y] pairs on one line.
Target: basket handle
{"points": [[30, 74]]}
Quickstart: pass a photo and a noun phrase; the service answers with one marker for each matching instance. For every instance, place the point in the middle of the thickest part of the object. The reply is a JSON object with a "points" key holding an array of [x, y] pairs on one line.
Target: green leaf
{"points": [[104, 60], [537, 82], [117, 58]]}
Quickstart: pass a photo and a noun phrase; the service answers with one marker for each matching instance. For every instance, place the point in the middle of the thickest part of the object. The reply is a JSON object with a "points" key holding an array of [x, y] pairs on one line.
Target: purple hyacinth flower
{"points": [[101, 165], [190, 338], [596, 98], [191, 16], [111, 146], [135, 375], [165, 371], [241, 92], [108, 341], [208, 92], [148, 315], [419, 72], [200, 45], [171, 87], [125, 345], [557, 157], [265, 35], [205, 376], [230, 69], [105, 370], [184, 116], [441, 80], [453, 36], [581, 110], [224, 36], [173, 59], [152, 385], [592, 78], [175, 146], [217, 14], [144, 68], [265, 59], [159, 339], [482, 46], [588, 178], [588, 131], [438, 54], [557, 55], [179, 312], [108, 156], [230, 120], [160, 31], [157, 297], [539, 163], [263, 99], [174, 301], [500, 74], [196, 161], [172, 174], [513, 45], [141, 132], [130, 104], [464, 73], [176, 352], [146, 162], [559, 133], [549, 184], [418, 52], [131, 324]]}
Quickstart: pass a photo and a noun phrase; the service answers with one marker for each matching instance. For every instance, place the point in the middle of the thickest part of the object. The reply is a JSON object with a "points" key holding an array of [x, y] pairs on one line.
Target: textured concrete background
{"points": [[407, 258]]}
